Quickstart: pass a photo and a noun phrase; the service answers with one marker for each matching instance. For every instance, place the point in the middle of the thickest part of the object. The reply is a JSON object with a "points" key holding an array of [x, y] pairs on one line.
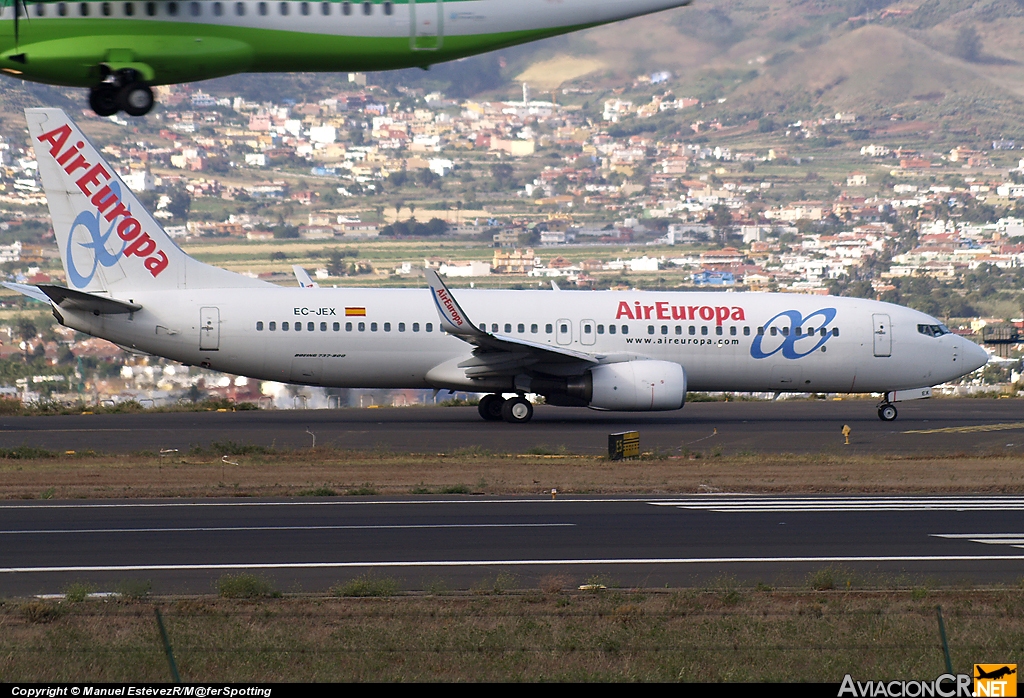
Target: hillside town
{"points": [[578, 187]]}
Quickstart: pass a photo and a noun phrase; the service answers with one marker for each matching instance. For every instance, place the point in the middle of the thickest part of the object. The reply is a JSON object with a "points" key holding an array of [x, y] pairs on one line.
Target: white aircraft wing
{"points": [[496, 354]]}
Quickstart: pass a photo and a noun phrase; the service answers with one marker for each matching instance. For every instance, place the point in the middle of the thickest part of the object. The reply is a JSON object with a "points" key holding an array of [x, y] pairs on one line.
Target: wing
{"points": [[500, 355]]}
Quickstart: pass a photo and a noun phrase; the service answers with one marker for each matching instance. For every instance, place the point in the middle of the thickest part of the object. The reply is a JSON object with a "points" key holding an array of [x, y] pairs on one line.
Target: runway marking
{"points": [[215, 529], [848, 504], [55, 431], [510, 563], [1013, 539], [332, 503], [969, 429]]}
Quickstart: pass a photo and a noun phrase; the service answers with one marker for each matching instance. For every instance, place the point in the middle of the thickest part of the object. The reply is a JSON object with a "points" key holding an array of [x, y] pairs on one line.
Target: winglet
{"points": [[302, 276], [453, 318]]}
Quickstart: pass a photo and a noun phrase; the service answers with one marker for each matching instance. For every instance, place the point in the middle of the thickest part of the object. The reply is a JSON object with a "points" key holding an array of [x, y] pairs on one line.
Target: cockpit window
{"points": [[933, 330]]}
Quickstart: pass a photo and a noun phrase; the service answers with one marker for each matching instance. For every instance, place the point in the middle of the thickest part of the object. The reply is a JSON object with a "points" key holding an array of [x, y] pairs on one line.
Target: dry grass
{"points": [[251, 471], [719, 634]]}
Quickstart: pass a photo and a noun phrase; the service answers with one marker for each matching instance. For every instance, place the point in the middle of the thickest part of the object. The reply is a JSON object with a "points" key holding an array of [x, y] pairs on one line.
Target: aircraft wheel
{"points": [[490, 407], [517, 410], [136, 99], [887, 413], [103, 99]]}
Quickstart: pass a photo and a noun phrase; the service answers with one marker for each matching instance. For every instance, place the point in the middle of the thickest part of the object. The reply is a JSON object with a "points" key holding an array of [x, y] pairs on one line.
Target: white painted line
{"points": [[217, 529], [513, 563], [541, 499]]}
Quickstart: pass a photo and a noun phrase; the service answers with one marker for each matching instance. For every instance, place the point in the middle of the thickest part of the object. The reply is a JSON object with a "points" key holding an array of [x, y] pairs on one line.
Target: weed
{"points": [[24, 452], [246, 586], [554, 583], [133, 589], [322, 491], [48, 493], [545, 450], [455, 489], [367, 585], [230, 448], [41, 612], [76, 592], [363, 491], [419, 490]]}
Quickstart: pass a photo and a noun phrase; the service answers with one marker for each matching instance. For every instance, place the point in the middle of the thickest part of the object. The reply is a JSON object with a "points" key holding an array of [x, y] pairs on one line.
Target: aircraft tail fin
{"points": [[108, 241]]}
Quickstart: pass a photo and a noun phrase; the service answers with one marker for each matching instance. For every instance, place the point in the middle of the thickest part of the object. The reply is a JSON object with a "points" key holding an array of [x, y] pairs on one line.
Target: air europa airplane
{"points": [[121, 49], [609, 350]]}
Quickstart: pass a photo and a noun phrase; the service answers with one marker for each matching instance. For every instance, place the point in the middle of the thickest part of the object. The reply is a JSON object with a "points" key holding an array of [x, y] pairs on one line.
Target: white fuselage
{"points": [[723, 341]]}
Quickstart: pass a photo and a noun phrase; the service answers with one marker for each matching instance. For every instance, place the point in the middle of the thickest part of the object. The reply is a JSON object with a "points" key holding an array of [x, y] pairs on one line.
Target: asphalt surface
{"points": [[787, 426], [464, 542]]}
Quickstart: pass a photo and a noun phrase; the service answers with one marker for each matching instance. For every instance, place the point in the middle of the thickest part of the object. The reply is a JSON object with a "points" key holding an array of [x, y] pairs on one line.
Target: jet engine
{"points": [[629, 386]]}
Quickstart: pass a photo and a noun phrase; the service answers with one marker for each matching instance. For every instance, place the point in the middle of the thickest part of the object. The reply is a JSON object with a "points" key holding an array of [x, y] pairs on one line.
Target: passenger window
{"points": [[494, 327], [373, 327], [429, 327], [565, 329], [389, 8], [760, 331], [534, 329], [732, 330], [172, 9], [664, 329], [508, 328], [40, 10], [587, 329], [362, 326], [311, 326], [823, 332], [775, 331], [259, 326], [240, 9], [693, 330], [346, 8], [746, 331], [415, 327], [785, 331], [798, 331], [194, 9], [600, 329], [83, 9], [387, 326], [348, 326], [273, 326], [104, 9], [719, 330], [218, 9], [704, 329], [521, 327], [679, 329], [835, 331], [298, 327], [337, 326], [401, 327], [611, 329], [650, 329], [325, 8], [262, 8], [549, 329], [304, 8], [62, 8], [625, 329], [284, 326], [282, 7], [323, 326], [367, 8]]}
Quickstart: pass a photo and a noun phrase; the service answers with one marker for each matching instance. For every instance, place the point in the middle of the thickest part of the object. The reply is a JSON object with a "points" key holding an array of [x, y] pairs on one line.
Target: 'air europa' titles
{"points": [[664, 311], [105, 199], [449, 305]]}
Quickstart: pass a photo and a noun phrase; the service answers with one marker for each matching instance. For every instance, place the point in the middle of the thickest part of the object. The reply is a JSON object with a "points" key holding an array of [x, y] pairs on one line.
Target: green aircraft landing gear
{"points": [[103, 99], [122, 91], [135, 99]]}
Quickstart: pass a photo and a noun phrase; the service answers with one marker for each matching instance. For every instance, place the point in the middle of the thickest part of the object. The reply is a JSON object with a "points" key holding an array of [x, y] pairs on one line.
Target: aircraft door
{"points": [[209, 329], [588, 334], [882, 331], [427, 17], [563, 331]]}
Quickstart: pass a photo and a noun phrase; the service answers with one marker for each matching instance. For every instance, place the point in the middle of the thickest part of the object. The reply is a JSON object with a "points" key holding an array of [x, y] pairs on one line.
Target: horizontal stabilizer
{"points": [[69, 299], [26, 290]]}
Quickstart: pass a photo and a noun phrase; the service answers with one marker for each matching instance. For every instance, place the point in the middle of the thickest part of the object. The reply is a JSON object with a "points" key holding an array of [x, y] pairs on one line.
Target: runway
{"points": [[465, 542], [936, 426]]}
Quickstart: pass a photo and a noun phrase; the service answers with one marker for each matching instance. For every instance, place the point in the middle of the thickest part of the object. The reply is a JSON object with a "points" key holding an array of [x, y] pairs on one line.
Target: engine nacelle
{"points": [[637, 386]]}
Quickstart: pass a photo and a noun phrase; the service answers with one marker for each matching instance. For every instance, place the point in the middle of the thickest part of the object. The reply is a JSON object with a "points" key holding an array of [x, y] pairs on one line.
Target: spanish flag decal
{"points": [[355, 312]]}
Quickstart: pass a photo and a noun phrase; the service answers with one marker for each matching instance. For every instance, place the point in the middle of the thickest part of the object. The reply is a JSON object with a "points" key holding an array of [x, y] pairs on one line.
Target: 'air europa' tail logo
{"points": [[107, 200]]}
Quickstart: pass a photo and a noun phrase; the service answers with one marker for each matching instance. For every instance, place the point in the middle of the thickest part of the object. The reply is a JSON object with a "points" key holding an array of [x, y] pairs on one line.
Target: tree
{"points": [[721, 221], [967, 44]]}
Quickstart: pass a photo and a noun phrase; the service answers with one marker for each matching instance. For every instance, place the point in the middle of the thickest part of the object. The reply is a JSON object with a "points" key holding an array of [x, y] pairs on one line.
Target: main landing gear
{"points": [[515, 410], [122, 91], [886, 410]]}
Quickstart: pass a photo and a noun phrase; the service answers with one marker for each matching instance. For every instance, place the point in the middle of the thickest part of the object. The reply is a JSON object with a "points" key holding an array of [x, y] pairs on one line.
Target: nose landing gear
{"points": [[887, 412], [122, 91]]}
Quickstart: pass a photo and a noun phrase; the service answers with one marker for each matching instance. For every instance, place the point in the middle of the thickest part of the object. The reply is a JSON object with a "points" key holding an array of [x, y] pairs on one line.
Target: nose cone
{"points": [[974, 357]]}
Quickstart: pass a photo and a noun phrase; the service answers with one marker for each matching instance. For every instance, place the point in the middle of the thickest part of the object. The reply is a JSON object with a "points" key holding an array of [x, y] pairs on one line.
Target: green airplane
{"points": [[119, 50]]}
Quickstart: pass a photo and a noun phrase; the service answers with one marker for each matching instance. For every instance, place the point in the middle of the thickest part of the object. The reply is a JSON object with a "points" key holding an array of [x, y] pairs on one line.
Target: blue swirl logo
{"points": [[95, 244], [788, 343]]}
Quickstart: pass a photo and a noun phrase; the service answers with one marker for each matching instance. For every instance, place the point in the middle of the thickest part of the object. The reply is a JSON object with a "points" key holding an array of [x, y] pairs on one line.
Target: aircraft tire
{"points": [[103, 99], [517, 410], [887, 413], [490, 407], [136, 99]]}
